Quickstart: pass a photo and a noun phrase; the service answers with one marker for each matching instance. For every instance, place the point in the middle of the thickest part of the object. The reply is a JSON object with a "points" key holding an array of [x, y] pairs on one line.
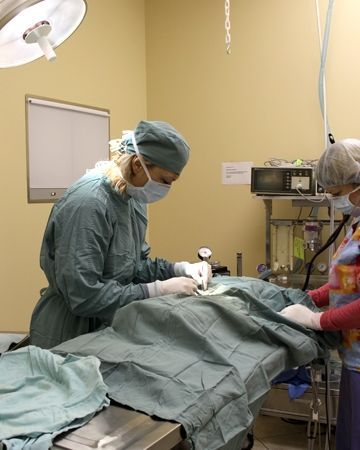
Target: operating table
{"points": [[204, 365]]}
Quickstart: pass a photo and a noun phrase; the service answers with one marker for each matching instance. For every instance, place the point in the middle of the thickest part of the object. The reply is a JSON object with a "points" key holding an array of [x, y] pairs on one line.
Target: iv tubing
{"points": [[322, 82]]}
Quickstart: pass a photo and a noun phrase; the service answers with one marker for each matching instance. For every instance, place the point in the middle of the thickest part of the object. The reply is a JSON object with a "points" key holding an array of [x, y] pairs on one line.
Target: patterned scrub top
{"points": [[344, 288]]}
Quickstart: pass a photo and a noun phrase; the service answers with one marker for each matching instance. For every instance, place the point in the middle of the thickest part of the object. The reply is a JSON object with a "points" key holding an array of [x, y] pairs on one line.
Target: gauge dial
{"points": [[204, 253], [322, 267]]}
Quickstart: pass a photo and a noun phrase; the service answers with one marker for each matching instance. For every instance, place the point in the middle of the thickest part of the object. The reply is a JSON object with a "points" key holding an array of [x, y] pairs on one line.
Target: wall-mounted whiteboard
{"points": [[63, 141]]}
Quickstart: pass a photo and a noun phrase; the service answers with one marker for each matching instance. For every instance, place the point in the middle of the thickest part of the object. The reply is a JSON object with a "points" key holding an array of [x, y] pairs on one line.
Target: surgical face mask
{"points": [[152, 191], [345, 206]]}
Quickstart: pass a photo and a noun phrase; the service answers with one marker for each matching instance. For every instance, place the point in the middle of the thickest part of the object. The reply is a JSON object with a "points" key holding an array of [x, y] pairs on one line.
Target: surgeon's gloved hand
{"points": [[200, 272], [176, 285], [303, 316]]}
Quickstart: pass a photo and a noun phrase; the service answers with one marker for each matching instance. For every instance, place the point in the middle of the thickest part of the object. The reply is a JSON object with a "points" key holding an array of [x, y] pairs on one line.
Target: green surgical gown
{"points": [[95, 259]]}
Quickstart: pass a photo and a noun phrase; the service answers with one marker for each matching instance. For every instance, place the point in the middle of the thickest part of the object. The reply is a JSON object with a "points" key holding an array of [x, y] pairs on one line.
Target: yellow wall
{"points": [[101, 64], [259, 102]]}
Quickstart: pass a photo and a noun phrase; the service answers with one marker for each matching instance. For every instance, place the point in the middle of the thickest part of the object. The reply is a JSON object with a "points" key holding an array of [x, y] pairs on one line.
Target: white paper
{"points": [[236, 172]]}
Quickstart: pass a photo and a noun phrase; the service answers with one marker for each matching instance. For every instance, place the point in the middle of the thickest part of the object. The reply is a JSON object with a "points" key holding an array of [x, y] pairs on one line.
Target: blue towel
{"points": [[43, 394], [298, 381]]}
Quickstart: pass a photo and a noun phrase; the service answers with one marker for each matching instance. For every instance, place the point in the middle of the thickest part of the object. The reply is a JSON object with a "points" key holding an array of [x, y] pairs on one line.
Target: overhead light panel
{"points": [[30, 29]]}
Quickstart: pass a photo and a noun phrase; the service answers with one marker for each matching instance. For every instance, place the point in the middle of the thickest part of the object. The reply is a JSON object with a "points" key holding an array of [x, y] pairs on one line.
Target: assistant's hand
{"points": [[303, 316], [200, 272], [176, 285]]}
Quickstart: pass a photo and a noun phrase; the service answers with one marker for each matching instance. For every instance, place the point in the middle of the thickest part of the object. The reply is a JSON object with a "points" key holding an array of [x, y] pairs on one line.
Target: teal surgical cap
{"points": [[161, 144], [339, 164]]}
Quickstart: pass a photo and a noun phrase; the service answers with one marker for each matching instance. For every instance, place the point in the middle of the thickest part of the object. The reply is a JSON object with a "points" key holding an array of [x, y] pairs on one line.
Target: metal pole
{"points": [[239, 264]]}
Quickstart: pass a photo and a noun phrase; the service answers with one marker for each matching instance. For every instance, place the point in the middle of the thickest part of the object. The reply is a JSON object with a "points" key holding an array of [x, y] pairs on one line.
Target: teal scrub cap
{"points": [[161, 144], [339, 164]]}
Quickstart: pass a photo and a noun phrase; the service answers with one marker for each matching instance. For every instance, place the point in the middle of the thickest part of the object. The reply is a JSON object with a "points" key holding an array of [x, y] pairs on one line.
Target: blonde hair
{"points": [[119, 171]]}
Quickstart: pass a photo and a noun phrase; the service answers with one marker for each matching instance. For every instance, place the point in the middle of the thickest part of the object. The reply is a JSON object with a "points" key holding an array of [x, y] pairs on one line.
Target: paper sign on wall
{"points": [[236, 172]]}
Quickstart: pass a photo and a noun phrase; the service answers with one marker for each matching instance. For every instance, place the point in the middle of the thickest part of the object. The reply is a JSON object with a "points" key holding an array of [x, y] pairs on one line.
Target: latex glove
{"points": [[200, 272], [177, 285], [303, 316]]}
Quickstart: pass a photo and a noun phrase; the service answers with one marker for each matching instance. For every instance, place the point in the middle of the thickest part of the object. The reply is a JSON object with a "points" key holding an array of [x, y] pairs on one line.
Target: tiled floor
{"points": [[273, 433]]}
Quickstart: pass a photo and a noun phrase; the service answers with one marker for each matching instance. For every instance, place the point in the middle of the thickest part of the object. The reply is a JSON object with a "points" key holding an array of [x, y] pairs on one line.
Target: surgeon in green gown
{"points": [[94, 253]]}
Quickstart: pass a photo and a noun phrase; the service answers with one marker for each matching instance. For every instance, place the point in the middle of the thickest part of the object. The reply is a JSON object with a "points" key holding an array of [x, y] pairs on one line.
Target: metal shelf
{"points": [[297, 201]]}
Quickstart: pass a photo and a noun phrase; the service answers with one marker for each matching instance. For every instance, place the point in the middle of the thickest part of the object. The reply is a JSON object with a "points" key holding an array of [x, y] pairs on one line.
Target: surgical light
{"points": [[30, 29]]}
